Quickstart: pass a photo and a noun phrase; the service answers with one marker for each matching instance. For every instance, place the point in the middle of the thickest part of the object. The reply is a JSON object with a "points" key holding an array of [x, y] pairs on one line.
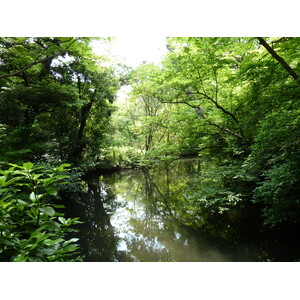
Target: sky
{"points": [[133, 50]]}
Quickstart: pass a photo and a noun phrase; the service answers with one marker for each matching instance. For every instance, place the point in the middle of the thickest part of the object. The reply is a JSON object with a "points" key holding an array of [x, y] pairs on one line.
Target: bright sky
{"points": [[133, 50]]}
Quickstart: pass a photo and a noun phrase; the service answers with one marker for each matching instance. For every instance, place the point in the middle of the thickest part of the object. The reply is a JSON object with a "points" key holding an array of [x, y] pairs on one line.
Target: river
{"points": [[149, 215]]}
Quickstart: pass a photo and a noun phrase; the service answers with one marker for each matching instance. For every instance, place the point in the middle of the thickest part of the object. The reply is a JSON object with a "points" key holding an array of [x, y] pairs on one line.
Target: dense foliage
{"points": [[55, 99], [234, 99], [32, 228]]}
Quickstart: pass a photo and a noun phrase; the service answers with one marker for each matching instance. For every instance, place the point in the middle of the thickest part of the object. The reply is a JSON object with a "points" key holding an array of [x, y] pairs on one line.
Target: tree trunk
{"points": [[79, 146]]}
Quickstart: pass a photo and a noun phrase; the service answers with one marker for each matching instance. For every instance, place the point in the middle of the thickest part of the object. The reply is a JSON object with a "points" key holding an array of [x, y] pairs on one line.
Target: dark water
{"points": [[143, 216]]}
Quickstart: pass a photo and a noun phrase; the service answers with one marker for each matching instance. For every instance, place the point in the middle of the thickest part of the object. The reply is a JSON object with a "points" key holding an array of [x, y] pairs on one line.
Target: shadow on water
{"points": [[97, 237], [145, 216]]}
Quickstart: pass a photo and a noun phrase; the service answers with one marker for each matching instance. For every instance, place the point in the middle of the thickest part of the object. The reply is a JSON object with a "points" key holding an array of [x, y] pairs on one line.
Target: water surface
{"points": [[142, 215]]}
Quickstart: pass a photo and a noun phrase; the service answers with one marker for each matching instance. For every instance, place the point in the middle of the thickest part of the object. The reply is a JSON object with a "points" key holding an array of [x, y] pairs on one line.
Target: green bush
{"points": [[31, 226]]}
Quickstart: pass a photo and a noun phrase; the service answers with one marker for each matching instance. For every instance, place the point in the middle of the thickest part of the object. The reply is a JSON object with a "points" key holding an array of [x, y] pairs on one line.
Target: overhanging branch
{"points": [[278, 58], [216, 104], [208, 121]]}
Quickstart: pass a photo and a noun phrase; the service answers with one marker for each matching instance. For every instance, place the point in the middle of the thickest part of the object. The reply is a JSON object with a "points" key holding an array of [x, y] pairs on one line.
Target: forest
{"points": [[230, 104]]}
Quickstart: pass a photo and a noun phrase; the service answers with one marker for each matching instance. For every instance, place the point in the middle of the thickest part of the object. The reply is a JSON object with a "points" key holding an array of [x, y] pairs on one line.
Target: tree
{"points": [[50, 88]]}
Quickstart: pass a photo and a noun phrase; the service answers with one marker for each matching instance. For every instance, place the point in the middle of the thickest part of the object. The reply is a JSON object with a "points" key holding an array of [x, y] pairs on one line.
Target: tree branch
{"points": [[278, 58], [216, 104], [208, 121], [225, 129], [37, 61]]}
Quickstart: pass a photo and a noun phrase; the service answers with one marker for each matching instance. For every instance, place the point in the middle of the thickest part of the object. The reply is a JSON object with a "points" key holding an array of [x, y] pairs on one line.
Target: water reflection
{"points": [[97, 237], [145, 216], [145, 221]]}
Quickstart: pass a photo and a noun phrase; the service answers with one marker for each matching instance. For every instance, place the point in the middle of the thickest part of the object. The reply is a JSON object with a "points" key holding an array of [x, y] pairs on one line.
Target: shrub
{"points": [[31, 226]]}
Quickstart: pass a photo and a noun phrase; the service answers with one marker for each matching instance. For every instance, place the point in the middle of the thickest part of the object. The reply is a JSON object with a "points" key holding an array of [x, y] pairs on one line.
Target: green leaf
{"points": [[14, 165], [71, 248], [58, 177], [47, 181], [35, 177], [51, 191], [46, 251], [7, 242], [33, 213], [58, 206], [62, 220], [30, 246], [49, 242], [48, 210], [32, 197], [3, 180], [61, 167], [14, 179], [25, 184], [50, 225], [6, 197], [28, 166], [35, 259], [20, 258], [73, 240], [35, 234], [22, 202], [43, 236]]}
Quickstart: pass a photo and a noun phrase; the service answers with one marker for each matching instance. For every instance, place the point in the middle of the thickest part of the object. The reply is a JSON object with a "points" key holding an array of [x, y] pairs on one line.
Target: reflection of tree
{"points": [[97, 239], [164, 204], [99, 235], [158, 222], [164, 197], [151, 225], [155, 227]]}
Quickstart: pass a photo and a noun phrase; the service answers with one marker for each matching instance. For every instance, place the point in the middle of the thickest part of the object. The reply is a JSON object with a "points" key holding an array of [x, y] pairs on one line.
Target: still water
{"points": [[139, 215]]}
